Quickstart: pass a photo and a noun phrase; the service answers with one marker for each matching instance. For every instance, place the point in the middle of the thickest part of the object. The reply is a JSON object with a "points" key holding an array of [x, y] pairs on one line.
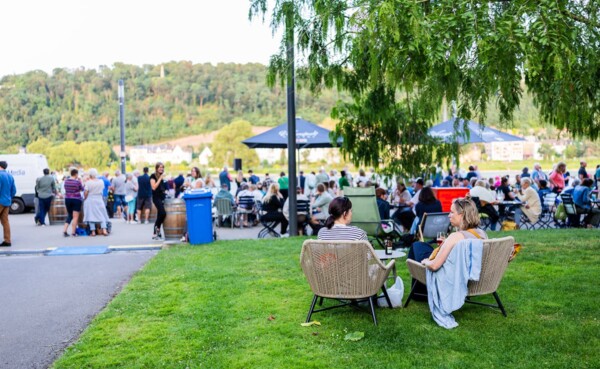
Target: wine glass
{"points": [[441, 237]]}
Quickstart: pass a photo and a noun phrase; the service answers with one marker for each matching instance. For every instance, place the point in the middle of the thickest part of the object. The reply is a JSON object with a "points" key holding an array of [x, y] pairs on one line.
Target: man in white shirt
{"points": [[487, 201], [418, 186]]}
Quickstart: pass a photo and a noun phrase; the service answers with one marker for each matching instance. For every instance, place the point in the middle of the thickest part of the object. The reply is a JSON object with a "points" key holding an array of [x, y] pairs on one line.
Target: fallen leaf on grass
{"points": [[271, 317], [315, 333], [355, 336], [314, 322]]}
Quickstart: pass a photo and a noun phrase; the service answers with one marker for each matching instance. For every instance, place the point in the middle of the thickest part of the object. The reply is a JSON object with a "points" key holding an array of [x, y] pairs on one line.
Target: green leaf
{"points": [[354, 336]]}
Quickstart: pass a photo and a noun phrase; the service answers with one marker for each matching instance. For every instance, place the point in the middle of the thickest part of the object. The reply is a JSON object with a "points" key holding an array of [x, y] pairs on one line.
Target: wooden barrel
{"points": [[174, 224], [153, 213], [58, 211]]}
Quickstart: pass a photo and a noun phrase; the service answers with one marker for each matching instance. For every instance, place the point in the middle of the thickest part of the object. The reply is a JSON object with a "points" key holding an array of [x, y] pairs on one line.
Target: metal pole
{"points": [[291, 119], [122, 123]]}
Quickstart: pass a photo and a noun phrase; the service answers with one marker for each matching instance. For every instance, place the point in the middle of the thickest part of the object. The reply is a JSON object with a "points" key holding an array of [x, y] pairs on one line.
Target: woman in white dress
{"points": [[94, 209]]}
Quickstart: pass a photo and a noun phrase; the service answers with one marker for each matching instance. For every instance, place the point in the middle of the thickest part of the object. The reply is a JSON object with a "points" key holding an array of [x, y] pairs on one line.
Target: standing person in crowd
{"points": [[582, 173], [178, 184], [310, 184], [538, 174], [159, 193], [361, 179], [525, 173], [45, 188], [131, 190], [253, 178], [118, 185], [73, 201], [7, 192], [302, 181], [531, 205], [144, 196], [597, 176], [322, 177], [471, 173], [239, 179], [272, 204], [94, 210], [225, 177], [337, 226], [583, 204], [284, 184], [557, 178], [344, 182]]}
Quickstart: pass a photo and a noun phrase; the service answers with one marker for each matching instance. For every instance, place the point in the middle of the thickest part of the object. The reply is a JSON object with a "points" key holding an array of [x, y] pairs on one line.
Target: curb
{"points": [[110, 248]]}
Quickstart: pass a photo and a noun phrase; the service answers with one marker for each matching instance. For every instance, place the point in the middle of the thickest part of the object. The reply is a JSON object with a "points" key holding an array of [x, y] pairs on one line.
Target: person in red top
{"points": [[557, 178]]}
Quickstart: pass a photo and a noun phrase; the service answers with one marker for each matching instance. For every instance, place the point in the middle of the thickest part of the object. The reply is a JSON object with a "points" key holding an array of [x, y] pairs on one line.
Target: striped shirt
{"points": [[73, 188], [341, 232]]}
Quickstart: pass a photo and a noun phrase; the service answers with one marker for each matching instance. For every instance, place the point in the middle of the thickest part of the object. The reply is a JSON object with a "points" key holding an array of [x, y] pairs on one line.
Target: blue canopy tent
{"points": [[308, 136], [477, 133]]}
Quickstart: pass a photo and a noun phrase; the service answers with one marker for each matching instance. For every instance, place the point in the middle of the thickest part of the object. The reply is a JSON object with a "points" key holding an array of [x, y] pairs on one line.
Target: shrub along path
{"points": [[239, 304]]}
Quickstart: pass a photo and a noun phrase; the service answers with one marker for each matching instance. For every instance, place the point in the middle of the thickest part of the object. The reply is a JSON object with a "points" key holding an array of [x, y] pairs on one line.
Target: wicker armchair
{"points": [[496, 253], [349, 271]]}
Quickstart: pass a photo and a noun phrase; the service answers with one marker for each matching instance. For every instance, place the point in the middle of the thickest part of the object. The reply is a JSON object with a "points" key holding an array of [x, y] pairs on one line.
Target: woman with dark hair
{"points": [[336, 225], [73, 200], [427, 203], [195, 179], [159, 190]]}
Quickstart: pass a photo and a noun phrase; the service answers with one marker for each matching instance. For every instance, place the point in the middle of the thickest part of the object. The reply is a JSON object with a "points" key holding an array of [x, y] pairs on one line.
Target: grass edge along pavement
{"points": [[239, 304]]}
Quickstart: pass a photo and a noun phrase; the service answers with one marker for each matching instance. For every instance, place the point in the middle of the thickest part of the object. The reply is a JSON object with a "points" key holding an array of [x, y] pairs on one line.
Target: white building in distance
{"points": [[162, 153]]}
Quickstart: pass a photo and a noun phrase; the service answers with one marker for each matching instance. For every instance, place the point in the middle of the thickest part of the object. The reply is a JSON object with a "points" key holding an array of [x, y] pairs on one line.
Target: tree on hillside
{"points": [[400, 59], [64, 155], [40, 146], [228, 145]]}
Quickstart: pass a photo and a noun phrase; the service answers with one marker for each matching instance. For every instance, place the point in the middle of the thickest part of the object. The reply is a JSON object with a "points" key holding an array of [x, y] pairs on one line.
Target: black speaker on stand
{"points": [[237, 164]]}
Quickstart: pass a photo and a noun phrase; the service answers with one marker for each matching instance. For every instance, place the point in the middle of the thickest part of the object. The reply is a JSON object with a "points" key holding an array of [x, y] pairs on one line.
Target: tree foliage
{"points": [[81, 105], [399, 59], [228, 145]]}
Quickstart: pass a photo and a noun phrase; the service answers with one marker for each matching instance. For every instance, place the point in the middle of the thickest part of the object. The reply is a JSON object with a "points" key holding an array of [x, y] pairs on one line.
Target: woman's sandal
{"points": [[93, 234], [66, 234], [105, 232], [74, 235]]}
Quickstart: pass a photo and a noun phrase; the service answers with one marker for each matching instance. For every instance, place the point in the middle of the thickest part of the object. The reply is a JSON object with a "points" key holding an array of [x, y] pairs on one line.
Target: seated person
{"points": [[581, 198], [302, 215], [246, 206], [509, 195], [543, 190], [427, 204], [400, 196], [531, 205], [465, 217], [272, 204], [320, 208], [382, 204], [487, 200], [224, 194], [337, 224]]}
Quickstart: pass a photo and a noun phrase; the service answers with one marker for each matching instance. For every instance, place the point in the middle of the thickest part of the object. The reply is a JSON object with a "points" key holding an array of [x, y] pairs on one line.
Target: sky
{"points": [[48, 34]]}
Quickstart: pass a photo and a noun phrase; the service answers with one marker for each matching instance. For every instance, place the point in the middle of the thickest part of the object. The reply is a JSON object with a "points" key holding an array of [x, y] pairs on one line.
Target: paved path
{"points": [[47, 301]]}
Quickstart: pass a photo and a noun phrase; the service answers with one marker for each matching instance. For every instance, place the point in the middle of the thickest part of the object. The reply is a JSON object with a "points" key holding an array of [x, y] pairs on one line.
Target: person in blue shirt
{"points": [[106, 181], [583, 204], [253, 178], [225, 178], [7, 192], [543, 190]]}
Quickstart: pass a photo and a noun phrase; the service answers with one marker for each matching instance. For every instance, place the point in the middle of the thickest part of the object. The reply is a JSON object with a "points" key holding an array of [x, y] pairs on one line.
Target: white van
{"points": [[25, 168]]}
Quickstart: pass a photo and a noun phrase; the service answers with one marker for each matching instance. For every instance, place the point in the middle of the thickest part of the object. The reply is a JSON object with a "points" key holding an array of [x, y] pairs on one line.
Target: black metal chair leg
{"points": [[387, 297], [411, 294], [321, 301], [499, 303], [312, 307], [372, 306]]}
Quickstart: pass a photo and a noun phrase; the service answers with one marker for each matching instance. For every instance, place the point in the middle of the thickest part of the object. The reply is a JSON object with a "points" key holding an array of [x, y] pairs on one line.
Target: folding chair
{"points": [[573, 217], [546, 218], [303, 211], [268, 230], [484, 220], [246, 206], [432, 224], [224, 209], [365, 214]]}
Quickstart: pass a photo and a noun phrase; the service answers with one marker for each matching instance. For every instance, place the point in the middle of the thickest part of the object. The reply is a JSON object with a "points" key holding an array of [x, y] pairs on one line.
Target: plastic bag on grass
{"points": [[396, 292]]}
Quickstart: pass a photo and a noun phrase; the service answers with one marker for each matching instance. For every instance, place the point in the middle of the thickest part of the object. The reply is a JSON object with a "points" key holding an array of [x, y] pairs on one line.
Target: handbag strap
{"points": [[472, 231]]}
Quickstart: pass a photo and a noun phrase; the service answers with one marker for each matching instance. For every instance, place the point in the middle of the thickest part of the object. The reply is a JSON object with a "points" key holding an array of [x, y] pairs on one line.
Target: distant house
{"points": [[204, 157], [163, 153]]}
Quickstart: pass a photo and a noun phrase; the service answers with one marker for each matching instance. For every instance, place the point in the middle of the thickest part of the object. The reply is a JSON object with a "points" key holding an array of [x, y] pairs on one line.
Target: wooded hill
{"points": [[161, 101]]}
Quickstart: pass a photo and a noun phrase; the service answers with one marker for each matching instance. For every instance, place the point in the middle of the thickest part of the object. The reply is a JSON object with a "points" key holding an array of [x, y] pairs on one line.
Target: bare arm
{"points": [[445, 250], [155, 182]]}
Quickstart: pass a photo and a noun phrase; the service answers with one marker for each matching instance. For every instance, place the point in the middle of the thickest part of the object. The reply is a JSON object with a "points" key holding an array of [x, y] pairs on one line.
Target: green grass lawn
{"points": [[239, 304]]}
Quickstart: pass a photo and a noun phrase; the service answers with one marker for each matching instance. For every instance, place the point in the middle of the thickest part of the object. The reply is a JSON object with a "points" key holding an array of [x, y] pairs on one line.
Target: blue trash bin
{"points": [[199, 216]]}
